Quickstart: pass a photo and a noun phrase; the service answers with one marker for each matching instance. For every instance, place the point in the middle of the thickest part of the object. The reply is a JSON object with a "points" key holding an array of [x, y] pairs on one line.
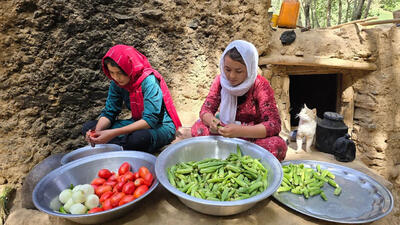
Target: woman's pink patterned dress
{"points": [[255, 107]]}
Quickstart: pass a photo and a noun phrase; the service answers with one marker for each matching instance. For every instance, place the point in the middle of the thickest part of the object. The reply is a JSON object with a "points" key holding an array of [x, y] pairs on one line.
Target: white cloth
{"points": [[230, 93]]}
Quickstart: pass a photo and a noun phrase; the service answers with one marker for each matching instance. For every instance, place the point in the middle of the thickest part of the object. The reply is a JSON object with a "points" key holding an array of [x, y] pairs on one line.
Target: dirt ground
{"points": [[171, 211]]}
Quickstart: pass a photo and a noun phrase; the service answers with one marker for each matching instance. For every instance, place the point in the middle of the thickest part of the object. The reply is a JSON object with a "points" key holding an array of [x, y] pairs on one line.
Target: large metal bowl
{"points": [[83, 171], [199, 148], [89, 150]]}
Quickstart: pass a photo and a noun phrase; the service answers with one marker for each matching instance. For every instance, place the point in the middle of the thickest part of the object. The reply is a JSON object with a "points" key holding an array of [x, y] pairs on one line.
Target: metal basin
{"points": [[89, 150], [82, 171], [199, 148]]}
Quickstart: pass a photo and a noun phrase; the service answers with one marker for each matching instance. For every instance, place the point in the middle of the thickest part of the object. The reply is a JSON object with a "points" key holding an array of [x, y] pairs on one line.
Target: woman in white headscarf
{"points": [[245, 101]]}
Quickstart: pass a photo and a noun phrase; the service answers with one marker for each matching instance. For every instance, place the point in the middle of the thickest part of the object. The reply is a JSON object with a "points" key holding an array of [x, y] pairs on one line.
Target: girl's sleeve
{"points": [[213, 98], [267, 107], [152, 100], [113, 102]]}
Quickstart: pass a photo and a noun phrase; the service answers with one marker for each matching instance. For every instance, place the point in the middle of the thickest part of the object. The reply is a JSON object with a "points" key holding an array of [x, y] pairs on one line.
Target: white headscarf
{"points": [[230, 93]]}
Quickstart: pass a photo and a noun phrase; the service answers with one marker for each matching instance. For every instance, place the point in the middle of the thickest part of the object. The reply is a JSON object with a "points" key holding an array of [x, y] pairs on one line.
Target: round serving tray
{"points": [[362, 200]]}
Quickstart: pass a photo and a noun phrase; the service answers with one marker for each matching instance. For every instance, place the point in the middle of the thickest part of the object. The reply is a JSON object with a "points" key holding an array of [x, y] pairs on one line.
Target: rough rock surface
{"points": [[50, 74]]}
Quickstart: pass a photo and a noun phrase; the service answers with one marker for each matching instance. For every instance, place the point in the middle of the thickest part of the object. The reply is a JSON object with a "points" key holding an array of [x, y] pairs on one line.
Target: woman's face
{"points": [[118, 75], [234, 71]]}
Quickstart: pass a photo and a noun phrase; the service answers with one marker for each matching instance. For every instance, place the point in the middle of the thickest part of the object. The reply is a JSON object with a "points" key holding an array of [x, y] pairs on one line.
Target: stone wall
{"points": [[50, 75], [369, 99]]}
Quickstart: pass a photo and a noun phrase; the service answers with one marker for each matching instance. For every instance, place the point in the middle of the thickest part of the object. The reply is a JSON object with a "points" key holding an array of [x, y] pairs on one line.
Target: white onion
{"points": [[65, 195], [92, 201], [68, 205], [76, 188], [78, 208], [78, 196], [87, 189]]}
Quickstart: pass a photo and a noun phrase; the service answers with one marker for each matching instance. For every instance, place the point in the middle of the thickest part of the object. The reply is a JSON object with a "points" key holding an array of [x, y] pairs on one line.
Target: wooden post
{"points": [[396, 15], [316, 61]]}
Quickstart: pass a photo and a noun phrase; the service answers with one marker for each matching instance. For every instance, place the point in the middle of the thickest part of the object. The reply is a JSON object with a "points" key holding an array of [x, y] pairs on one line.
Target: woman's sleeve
{"points": [[267, 107], [213, 98], [113, 103], [152, 100]]}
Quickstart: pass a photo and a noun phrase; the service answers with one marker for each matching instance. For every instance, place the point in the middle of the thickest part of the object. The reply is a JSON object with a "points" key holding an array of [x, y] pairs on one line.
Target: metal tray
{"points": [[362, 200]]}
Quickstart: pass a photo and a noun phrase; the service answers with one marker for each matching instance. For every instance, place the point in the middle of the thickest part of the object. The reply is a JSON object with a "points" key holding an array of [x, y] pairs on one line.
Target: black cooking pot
{"points": [[330, 128]]}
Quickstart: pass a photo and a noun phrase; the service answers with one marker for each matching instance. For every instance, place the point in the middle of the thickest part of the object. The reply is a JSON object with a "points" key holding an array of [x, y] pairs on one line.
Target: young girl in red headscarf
{"points": [[144, 92]]}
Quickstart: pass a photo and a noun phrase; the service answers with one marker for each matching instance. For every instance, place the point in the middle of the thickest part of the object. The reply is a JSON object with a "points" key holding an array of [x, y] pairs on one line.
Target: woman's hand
{"points": [[102, 137], [230, 130], [215, 125]]}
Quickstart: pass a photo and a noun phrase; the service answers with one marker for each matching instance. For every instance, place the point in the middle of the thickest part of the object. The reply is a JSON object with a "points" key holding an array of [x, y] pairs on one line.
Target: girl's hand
{"points": [[230, 130], [90, 134], [102, 137]]}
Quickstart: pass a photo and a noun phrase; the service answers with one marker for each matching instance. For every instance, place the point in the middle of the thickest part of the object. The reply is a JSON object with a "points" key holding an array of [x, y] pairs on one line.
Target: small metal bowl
{"points": [[198, 148], [83, 171], [89, 150]]}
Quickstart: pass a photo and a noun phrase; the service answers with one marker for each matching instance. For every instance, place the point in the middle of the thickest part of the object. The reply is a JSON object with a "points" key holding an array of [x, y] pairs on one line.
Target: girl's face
{"points": [[118, 75], [234, 71]]}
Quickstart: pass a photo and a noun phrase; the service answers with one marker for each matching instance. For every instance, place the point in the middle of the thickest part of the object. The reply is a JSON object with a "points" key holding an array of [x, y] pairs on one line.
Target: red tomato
{"points": [[140, 191], [95, 210], [139, 181], [135, 175], [148, 179], [111, 183], [104, 173], [116, 198], [126, 199], [107, 204], [129, 188], [106, 195], [143, 171], [114, 177], [98, 181], [92, 133], [128, 176], [125, 167], [102, 189], [118, 186]]}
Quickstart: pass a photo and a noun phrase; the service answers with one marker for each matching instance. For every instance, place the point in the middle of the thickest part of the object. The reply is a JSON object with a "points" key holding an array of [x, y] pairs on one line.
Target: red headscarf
{"points": [[137, 67]]}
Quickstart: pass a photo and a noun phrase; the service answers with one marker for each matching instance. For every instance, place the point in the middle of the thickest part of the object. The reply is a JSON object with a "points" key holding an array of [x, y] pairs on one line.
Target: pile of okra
{"points": [[237, 177], [306, 181]]}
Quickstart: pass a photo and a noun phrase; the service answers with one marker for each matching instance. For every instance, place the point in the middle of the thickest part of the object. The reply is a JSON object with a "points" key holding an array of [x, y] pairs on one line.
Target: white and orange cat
{"points": [[306, 128]]}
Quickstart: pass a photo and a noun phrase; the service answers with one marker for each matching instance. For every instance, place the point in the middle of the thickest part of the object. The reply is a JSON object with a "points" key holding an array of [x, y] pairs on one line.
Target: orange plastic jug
{"points": [[289, 14]]}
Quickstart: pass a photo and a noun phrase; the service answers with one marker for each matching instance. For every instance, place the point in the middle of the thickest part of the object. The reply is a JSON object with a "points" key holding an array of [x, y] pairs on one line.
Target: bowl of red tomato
{"points": [[97, 188]]}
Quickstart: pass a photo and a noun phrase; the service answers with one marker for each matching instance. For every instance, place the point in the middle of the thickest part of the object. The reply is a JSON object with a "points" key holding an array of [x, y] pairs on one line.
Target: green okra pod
{"points": [[212, 198], [171, 178], [215, 180], [209, 169], [224, 194], [323, 196], [184, 171], [255, 186], [315, 192], [332, 183], [240, 182], [210, 164], [337, 191], [233, 168], [283, 189]]}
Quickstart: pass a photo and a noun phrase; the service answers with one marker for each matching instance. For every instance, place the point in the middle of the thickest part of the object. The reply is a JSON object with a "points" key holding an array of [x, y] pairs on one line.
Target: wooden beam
{"points": [[380, 22], [316, 61], [351, 22]]}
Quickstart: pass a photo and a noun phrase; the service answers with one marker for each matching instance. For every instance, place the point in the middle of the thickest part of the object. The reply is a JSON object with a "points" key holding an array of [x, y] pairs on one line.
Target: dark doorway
{"points": [[316, 91]]}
